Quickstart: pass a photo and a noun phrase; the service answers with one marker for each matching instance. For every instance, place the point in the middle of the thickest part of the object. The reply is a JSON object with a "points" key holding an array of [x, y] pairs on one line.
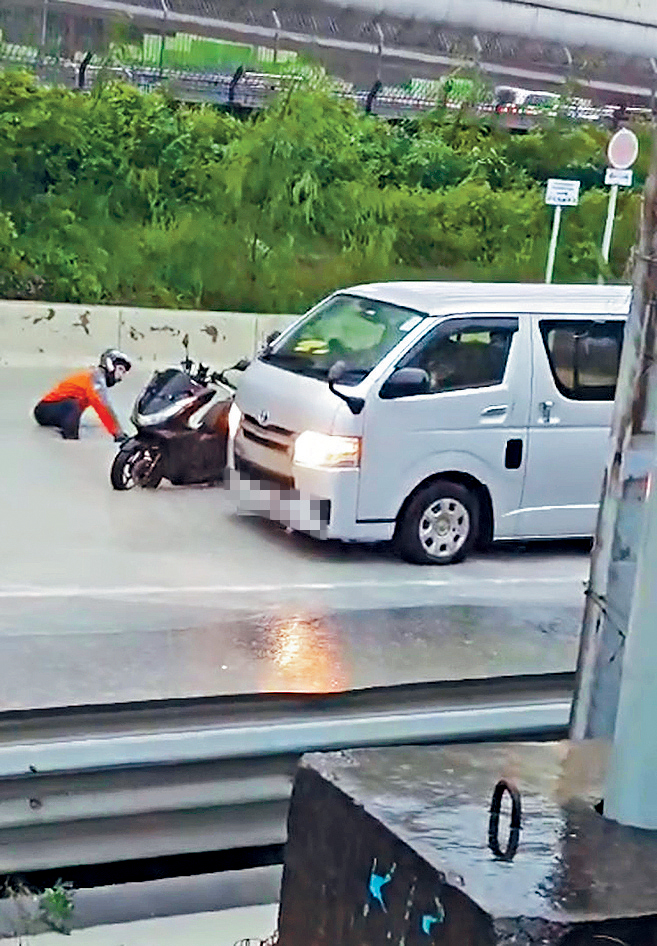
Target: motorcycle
{"points": [[181, 418]]}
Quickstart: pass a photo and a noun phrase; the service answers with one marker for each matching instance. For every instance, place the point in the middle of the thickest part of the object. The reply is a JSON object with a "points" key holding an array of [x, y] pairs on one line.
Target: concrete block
{"points": [[34, 333], [55, 334], [392, 846], [216, 338]]}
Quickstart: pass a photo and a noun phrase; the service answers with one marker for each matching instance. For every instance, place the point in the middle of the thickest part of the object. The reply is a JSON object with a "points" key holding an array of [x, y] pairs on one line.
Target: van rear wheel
{"points": [[439, 526]]}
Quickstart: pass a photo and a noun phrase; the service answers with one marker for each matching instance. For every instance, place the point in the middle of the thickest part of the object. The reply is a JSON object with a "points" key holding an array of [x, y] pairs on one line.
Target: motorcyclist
{"points": [[64, 405]]}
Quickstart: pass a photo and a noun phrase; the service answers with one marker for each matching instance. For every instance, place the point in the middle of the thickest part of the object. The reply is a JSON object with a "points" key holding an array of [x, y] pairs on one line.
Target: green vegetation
{"points": [[30, 913], [123, 197]]}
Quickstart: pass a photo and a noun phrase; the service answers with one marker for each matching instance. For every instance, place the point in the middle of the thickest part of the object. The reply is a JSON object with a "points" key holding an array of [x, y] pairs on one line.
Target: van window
{"points": [[353, 329], [584, 357], [462, 354]]}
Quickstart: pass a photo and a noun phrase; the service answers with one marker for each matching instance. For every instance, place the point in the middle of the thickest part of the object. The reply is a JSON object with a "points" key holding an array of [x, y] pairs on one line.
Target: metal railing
{"points": [[251, 90], [93, 785]]}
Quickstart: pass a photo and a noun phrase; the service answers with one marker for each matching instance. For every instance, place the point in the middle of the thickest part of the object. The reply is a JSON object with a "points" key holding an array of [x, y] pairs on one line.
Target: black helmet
{"points": [[109, 360]]}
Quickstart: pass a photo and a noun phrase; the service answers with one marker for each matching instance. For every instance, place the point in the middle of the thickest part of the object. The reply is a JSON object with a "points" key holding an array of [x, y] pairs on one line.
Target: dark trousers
{"points": [[63, 414]]}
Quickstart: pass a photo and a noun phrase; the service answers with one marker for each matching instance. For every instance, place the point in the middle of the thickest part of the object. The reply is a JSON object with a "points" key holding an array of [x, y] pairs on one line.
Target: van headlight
{"points": [[320, 451], [234, 418]]}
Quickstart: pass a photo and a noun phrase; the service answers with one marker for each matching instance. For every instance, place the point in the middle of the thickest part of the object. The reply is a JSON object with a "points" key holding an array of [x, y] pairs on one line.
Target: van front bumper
{"points": [[322, 503], [257, 491]]}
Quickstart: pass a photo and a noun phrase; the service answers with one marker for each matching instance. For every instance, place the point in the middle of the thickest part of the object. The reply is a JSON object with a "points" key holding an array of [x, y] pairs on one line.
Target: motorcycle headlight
{"points": [[234, 418], [326, 451]]}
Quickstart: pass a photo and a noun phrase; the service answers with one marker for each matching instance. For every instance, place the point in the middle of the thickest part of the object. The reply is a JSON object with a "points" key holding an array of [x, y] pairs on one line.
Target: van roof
{"points": [[443, 298]]}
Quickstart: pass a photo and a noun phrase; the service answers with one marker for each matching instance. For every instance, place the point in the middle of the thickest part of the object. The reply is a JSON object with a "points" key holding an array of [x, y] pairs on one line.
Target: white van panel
{"points": [[292, 401], [566, 454], [408, 439]]}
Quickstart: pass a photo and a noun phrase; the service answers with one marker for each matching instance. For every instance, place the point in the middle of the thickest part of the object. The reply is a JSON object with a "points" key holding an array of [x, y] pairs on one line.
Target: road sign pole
{"points": [[552, 252], [559, 193], [609, 225], [622, 152]]}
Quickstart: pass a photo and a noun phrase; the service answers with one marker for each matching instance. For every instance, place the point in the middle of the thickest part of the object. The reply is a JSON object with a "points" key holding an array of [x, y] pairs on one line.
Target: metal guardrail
{"points": [[93, 785]]}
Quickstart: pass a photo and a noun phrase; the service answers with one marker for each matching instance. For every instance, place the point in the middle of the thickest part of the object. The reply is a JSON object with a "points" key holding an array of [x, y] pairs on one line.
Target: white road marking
{"points": [[145, 591]]}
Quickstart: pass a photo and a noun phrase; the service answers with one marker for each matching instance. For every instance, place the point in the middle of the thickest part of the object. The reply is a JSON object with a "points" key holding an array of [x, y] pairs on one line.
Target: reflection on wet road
{"points": [[233, 652], [107, 596], [299, 654]]}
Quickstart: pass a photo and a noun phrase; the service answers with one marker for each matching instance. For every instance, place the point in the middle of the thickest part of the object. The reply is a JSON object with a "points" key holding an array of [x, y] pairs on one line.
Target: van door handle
{"points": [[497, 410], [546, 411]]}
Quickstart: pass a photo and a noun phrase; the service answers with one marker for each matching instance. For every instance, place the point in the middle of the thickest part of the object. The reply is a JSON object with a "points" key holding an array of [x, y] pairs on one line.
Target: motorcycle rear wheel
{"points": [[136, 464]]}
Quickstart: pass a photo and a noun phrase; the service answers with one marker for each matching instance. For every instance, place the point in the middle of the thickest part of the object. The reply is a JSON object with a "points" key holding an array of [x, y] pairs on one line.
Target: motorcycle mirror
{"points": [[269, 341], [187, 362], [241, 365]]}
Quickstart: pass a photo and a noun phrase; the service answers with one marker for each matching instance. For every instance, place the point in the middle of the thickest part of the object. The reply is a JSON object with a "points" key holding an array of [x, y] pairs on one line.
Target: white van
{"points": [[441, 415]]}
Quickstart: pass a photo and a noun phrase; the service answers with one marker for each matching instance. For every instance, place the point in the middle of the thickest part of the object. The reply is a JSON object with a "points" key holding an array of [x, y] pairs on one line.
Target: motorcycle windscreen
{"points": [[164, 388]]}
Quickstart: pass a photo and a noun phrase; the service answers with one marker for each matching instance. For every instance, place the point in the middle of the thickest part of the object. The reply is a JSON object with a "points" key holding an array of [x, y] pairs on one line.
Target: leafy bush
{"points": [[120, 196]]}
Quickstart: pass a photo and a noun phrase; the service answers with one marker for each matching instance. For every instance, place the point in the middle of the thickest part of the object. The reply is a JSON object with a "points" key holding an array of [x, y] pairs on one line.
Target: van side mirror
{"points": [[337, 371], [406, 382]]}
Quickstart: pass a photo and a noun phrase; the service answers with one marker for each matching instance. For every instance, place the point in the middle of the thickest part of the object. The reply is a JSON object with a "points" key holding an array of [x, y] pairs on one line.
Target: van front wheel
{"points": [[439, 526]]}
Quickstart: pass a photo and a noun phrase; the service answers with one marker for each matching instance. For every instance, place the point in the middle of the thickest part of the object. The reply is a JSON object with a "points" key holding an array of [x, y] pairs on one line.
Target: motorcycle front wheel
{"points": [[136, 464]]}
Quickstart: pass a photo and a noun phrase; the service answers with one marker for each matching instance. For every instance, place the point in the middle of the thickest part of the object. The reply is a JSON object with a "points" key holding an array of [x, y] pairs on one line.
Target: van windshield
{"points": [[352, 329]]}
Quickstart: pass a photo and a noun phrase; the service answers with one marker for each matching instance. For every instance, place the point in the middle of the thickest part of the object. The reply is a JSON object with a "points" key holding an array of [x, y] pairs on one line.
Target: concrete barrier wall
{"points": [[34, 333]]}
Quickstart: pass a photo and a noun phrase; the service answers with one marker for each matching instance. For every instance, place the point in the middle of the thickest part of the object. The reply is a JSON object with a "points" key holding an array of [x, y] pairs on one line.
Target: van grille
{"points": [[271, 436], [268, 448]]}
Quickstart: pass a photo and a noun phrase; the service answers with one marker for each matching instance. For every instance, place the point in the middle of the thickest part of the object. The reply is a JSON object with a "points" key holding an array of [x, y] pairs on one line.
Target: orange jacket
{"points": [[89, 389]]}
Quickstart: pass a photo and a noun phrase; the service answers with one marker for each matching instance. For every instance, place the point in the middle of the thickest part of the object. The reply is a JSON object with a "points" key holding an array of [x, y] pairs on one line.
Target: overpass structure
{"points": [[606, 49], [627, 26]]}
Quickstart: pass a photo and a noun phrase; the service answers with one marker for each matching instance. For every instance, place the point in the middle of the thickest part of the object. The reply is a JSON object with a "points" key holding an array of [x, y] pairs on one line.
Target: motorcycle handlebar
{"points": [[220, 378], [203, 375]]}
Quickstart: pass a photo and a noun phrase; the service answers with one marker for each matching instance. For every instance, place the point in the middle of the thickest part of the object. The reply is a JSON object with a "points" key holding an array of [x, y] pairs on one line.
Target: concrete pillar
{"points": [[631, 796]]}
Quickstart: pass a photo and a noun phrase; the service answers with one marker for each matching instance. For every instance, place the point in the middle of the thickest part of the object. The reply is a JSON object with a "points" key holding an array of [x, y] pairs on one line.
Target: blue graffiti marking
{"points": [[428, 920], [378, 882]]}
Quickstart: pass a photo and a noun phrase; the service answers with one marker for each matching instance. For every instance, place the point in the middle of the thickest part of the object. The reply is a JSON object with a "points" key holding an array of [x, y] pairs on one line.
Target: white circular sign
{"points": [[623, 149]]}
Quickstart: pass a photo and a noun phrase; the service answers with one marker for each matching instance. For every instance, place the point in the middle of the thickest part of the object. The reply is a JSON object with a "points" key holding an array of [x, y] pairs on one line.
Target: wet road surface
{"points": [[116, 596]]}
